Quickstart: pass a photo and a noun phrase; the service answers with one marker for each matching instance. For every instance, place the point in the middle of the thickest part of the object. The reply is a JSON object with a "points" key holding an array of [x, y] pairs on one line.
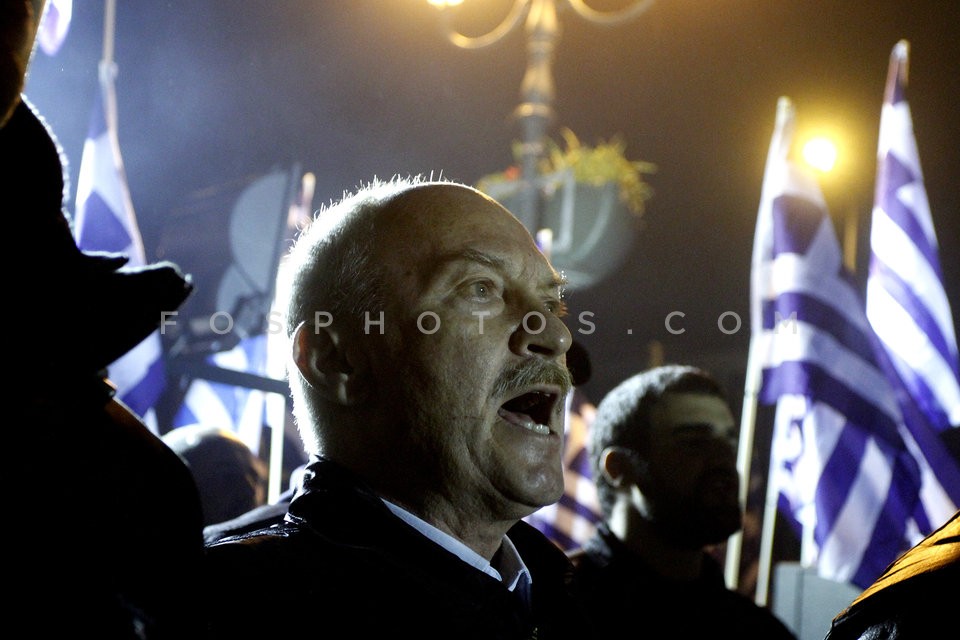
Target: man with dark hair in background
{"points": [[663, 453]]}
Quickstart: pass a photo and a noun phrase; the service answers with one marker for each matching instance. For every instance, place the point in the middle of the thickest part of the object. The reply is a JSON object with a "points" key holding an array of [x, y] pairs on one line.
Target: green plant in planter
{"points": [[603, 163]]}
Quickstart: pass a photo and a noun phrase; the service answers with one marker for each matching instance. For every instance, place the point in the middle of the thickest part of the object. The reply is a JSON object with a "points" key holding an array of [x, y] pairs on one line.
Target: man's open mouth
{"points": [[531, 410]]}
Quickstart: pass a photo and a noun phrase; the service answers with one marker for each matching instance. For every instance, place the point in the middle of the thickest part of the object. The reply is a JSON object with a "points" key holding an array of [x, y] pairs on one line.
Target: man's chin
{"points": [[727, 525], [710, 530], [534, 499]]}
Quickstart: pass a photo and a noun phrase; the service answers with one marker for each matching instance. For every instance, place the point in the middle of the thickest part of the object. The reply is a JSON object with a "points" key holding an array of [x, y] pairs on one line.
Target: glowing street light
{"points": [[820, 153]]}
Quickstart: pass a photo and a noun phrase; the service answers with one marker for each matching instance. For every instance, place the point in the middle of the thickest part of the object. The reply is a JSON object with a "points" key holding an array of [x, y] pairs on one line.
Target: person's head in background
{"points": [[111, 308], [663, 449], [429, 353], [230, 477]]}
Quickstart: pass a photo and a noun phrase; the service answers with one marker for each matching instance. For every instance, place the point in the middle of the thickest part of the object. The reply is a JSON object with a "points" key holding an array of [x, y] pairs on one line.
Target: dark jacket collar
{"points": [[606, 549]]}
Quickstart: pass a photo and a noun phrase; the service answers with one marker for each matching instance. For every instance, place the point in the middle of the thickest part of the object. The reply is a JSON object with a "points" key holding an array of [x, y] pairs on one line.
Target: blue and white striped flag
{"points": [[238, 409], [845, 466], [906, 302], [105, 221], [54, 25]]}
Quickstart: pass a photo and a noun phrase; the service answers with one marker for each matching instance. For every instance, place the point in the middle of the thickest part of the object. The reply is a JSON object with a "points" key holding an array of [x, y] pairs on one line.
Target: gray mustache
{"points": [[534, 372]]}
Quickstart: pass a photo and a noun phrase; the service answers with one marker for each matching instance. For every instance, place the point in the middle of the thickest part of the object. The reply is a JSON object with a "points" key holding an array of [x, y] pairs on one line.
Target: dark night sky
{"points": [[215, 90]]}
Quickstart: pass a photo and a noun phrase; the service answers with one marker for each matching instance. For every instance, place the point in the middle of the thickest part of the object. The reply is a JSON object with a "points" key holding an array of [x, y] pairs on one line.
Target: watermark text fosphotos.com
{"points": [[534, 322]]}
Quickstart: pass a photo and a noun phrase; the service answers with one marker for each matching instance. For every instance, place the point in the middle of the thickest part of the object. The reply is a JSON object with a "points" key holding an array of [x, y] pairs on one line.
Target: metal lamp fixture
{"points": [[537, 93]]}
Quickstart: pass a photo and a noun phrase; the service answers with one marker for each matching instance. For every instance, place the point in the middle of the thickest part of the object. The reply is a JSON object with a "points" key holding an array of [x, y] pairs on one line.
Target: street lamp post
{"points": [[821, 154], [535, 111]]}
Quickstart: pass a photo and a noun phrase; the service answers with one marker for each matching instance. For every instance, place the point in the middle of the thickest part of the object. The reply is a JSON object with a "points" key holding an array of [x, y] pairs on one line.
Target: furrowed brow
{"points": [[480, 257], [556, 281]]}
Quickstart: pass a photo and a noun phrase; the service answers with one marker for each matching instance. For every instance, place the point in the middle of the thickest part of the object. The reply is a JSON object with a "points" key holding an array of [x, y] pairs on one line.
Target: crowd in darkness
{"points": [[427, 449]]}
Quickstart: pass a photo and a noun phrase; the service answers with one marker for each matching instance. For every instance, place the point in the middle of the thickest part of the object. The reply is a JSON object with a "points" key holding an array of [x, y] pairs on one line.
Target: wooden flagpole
{"points": [[744, 457]]}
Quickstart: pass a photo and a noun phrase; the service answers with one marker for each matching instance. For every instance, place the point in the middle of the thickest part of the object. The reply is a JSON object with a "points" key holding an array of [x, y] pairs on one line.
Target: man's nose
{"points": [[541, 334]]}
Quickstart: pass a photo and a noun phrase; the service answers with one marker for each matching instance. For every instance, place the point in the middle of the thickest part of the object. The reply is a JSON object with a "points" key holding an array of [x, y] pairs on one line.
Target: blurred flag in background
{"points": [[848, 472], [54, 25], [905, 300], [105, 221]]}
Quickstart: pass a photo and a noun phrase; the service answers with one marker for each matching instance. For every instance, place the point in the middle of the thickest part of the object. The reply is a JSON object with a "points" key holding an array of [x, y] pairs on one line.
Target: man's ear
{"points": [[331, 363], [619, 466]]}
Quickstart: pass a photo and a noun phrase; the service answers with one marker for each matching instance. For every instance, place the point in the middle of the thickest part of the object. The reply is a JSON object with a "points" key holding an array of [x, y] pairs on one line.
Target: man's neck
{"points": [[662, 555], [477, 531]]}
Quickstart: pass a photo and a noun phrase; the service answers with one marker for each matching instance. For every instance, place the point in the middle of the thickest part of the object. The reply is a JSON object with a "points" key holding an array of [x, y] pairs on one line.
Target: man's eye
{"points": [[556, 307], [482, 290]]}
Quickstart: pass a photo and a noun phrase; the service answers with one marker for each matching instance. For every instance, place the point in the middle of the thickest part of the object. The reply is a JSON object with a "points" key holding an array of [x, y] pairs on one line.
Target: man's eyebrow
{"points": [[475, 255], [559, 281], [697, 427], [692, 426], [470, 254]]}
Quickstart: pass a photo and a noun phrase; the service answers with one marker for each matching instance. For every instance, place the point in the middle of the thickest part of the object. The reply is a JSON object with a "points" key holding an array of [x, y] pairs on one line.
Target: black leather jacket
{"points": [[342, 565], [615, 584]]}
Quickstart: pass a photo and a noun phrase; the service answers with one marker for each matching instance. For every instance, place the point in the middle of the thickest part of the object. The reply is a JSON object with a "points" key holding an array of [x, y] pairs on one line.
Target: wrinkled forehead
{"points": [[431, 222]]}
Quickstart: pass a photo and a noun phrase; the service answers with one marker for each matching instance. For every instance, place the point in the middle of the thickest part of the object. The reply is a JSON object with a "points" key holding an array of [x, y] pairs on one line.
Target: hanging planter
{"points": [[593, 199]]}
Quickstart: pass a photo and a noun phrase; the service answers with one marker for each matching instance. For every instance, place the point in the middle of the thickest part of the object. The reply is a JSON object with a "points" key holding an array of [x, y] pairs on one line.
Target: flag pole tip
{"points": [[901, 50], [899, 62], [784, 108]]}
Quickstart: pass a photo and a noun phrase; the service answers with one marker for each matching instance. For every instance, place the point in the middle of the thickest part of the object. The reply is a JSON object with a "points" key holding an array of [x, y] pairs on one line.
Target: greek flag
{"points": [[906, 302], [54, 25], [846, 468], [105, 221], [233, 407]]}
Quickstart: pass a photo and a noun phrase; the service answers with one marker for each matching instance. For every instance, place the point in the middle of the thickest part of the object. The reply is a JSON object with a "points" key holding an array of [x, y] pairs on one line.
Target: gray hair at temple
{"points": [[330, 269]]}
